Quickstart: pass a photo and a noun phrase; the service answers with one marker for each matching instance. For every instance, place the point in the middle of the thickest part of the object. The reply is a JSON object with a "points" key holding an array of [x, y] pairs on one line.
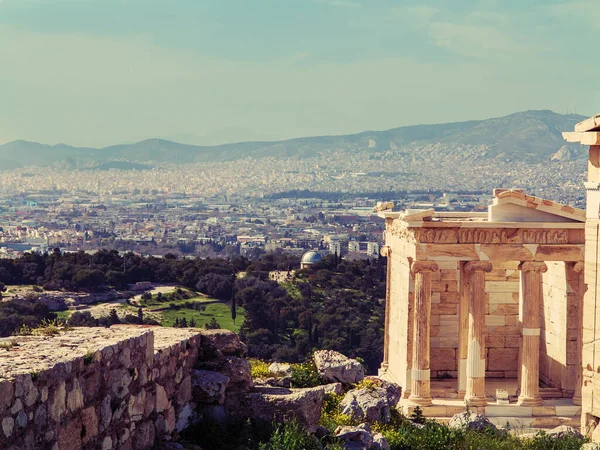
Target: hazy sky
{"points": [[100, 72]]}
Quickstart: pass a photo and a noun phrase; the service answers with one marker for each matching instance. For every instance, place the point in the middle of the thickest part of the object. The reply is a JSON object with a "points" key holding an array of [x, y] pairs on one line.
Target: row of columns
{"points": [[472, 350]]}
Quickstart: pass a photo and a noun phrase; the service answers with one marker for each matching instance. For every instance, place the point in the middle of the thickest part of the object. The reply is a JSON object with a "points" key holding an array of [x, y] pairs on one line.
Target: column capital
{"points": [[424, 266], [478, 266], [533, 266], [578, 266], [386, 251]]}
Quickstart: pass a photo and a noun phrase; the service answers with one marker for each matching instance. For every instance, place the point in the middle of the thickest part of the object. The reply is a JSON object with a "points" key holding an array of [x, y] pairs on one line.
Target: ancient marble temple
{"points": [[498, 310]]}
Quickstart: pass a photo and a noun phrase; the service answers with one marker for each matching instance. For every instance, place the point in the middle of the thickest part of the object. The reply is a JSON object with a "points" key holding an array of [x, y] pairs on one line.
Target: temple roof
{"points": [[510, 206], [587, 132]]}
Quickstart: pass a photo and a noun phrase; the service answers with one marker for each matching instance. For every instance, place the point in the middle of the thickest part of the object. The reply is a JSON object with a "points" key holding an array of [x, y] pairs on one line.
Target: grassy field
{"points": [[219, 311]]}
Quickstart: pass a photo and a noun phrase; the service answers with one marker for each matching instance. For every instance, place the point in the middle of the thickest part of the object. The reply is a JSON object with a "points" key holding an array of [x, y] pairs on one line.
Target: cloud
{"points": [[471, 40], [581, 12]]}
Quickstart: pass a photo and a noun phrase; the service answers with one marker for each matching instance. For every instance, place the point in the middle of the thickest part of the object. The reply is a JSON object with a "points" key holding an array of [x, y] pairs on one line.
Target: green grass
{"points": [[63, 315], [219, 311], [165, 304]]}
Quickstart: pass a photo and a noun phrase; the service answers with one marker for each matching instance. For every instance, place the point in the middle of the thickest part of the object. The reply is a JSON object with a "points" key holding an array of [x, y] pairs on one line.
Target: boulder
{"points": [[333, 388], [355, 438], [470, 421], [367, 404], [280, 368], [379, 442], [393, 391], [285, 382], [209, 386], [238, 372], [223, 342], [335, 367], [279, 404], [564, 431]]}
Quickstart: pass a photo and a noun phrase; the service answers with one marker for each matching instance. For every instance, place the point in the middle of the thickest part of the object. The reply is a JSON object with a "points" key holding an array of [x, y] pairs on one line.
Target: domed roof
{"points": [[311, 257]]}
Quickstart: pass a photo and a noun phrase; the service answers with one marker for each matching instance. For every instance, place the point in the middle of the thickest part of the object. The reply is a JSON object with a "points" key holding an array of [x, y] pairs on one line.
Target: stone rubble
{"points": [[335, 367]]}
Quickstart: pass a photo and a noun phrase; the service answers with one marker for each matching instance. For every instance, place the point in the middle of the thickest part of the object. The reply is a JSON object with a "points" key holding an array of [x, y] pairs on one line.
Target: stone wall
{"points": [[122, 387], [501, 320]]}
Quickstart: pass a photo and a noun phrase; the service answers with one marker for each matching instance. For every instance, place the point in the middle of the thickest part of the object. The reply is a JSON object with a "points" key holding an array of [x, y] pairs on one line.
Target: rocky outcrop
{"points": [[279, 404], [372, 404], [361, 438], [470, 421], [335, 367], [209, 387], [564, 431]]}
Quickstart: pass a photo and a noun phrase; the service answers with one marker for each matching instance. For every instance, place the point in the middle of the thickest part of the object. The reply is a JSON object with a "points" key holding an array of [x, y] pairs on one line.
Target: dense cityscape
{"points": [[253, 205]]}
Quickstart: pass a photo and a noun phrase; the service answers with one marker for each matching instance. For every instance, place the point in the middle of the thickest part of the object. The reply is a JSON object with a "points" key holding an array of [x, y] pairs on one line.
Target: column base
{"points": [[530, 401], [577, 401], [476, 401], [413, 400]]}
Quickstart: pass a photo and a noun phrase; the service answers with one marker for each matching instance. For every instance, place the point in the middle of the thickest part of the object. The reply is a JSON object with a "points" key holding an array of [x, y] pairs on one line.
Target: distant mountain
{"points": [[532, 136]]}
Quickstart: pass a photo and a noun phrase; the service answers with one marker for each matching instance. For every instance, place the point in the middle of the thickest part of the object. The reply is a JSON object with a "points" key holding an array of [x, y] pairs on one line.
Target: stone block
{"points": [[443, 359], [450, 298], [69, 435], [495, 341], [494, 321], [502, 359], [89, 420], [444, 309]]}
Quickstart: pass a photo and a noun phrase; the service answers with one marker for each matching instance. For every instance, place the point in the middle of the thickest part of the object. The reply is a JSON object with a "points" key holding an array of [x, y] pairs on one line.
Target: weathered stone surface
{"points": [[131, 389], [89, 420], [333, 388], [7, 390], [393, 391], [335, 367], [280, 368], [143, 437], [209, 386], [8, 425], [355, 438], [279, 404], [69, 436], [162, 400], [366, 404], [564, 431], [238, 372], [471, 421], [224, 341], [379, 442], [58, 403]]}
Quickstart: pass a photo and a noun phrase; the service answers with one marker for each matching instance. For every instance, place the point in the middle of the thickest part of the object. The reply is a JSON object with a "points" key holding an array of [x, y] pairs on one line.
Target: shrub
{"points": [[259, 368], [306, 375], [291, 436], [331, 416]]}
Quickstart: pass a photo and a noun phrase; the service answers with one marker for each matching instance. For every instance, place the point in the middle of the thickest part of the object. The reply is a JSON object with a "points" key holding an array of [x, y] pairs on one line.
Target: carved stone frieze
{"points": [[401, 230], [491, 236]]}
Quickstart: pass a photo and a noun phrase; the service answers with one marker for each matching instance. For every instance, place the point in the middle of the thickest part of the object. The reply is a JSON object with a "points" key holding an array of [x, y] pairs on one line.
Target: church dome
{"points": [[310, 258]]}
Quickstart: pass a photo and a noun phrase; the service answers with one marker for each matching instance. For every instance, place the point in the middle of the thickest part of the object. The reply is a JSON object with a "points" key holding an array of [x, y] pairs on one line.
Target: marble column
{"points": [[386, 252], [531, 287], [463, 330], [420, 392], [578, 268], [476, 353]]}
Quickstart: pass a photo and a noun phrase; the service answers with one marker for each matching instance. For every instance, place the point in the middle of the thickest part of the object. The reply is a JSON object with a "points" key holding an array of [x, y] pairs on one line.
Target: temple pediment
{"points": [[514, 205]]}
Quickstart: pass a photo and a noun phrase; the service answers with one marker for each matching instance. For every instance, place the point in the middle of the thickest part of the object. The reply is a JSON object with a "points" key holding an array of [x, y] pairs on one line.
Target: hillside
{"points": [[532, 136]]}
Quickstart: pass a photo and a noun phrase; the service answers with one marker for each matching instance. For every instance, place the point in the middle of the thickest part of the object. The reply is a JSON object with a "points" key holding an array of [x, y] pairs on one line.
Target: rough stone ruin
{"points": [[123, 387]]}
